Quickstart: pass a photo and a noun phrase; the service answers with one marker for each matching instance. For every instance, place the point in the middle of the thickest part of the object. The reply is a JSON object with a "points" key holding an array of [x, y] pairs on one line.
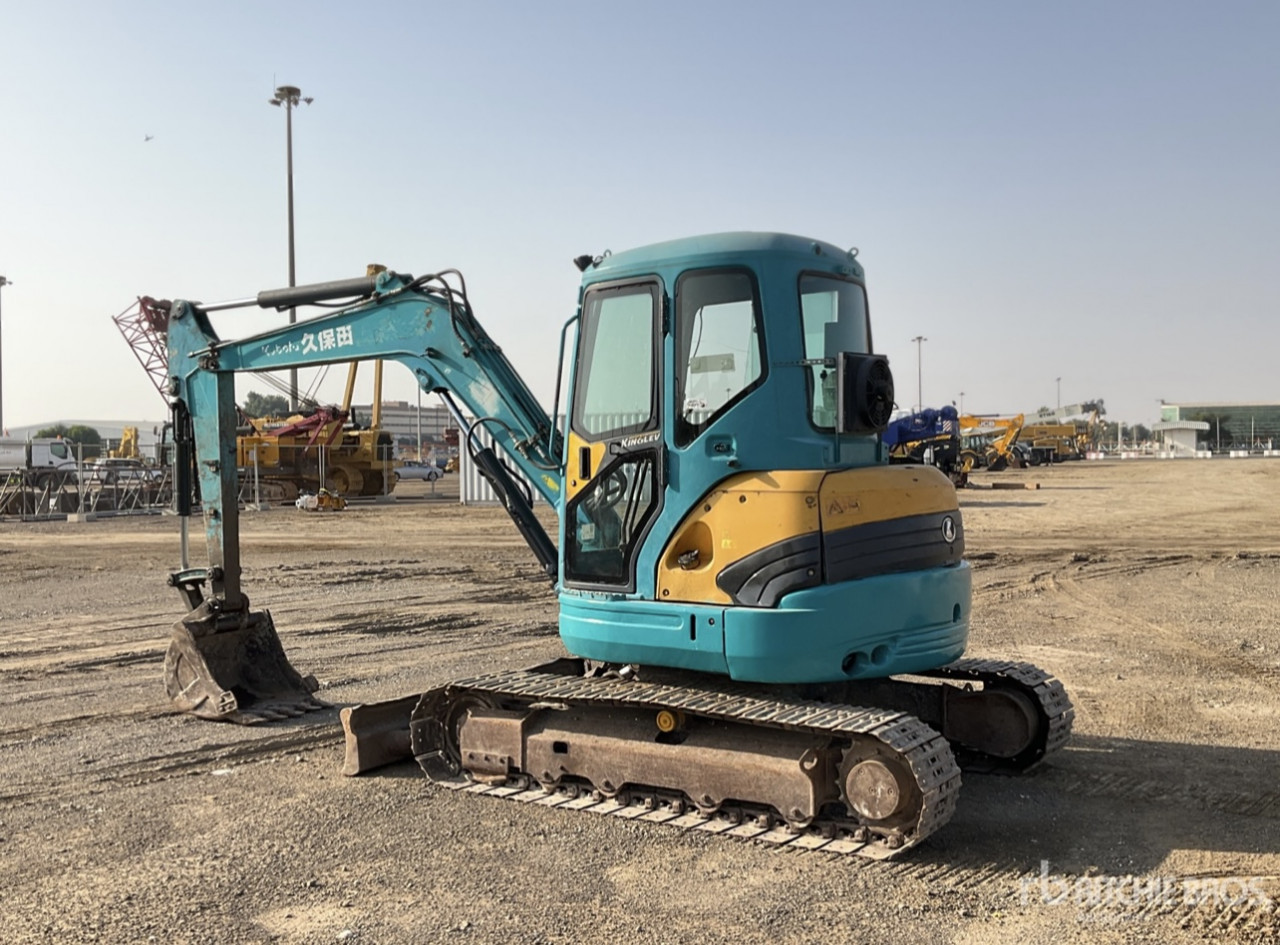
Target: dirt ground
{"points": [[1152, 589]]}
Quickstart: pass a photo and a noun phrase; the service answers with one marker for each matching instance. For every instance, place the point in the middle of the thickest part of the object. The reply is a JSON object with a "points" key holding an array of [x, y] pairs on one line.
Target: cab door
{"points": [[614, 469]]}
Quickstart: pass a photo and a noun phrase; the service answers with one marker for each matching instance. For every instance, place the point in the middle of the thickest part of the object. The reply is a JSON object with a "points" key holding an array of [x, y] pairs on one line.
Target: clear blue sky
{"points": [[1088, 191]]}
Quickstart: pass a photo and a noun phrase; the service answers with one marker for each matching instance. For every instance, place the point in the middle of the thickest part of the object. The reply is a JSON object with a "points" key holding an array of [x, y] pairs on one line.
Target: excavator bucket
{"points": [[231, 667]]}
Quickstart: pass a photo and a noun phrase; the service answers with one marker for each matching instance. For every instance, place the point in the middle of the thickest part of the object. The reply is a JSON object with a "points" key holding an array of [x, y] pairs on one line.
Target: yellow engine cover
{"points": [[750, 512]]}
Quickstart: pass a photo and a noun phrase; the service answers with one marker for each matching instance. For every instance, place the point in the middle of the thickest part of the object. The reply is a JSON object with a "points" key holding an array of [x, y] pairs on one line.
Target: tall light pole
{"points": [[962, 401], [919, 342], [1059, 393], [289, 96], [3, 282]]}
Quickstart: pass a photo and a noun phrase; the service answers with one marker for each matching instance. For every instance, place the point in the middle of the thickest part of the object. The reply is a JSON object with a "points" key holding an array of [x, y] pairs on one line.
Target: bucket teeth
{"points": [[231, 667]]}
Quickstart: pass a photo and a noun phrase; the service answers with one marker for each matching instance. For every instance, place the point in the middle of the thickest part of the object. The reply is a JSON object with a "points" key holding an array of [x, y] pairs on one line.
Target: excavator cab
{"points": [[724, 471]]}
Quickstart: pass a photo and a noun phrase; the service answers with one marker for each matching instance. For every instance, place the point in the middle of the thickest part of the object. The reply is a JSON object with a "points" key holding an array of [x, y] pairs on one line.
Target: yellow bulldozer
{"points": [[322, 450]]}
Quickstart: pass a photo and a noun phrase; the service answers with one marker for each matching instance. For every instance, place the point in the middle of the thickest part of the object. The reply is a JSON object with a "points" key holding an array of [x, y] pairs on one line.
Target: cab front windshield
{"points": [[834, 314]]}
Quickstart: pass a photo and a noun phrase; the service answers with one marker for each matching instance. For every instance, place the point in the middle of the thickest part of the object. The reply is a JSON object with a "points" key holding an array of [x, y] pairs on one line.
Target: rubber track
{"points": [[1044, 688], [925, 751]]}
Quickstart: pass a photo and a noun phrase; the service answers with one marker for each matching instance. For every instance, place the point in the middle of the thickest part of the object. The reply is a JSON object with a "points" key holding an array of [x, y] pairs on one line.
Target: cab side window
{"points": [[719, 351], [616, 382], [834, 313]]}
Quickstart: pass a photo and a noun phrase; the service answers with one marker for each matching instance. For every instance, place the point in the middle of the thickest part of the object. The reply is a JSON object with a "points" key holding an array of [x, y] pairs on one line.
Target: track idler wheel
{"points": [[878, 787], [231, 667], [371, 483], [435, 728], [345, 480]]}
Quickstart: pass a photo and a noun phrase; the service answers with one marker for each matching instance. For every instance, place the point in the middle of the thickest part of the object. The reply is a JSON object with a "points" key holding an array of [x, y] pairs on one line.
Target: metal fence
{"points": [[35, 495], [474, 489]]}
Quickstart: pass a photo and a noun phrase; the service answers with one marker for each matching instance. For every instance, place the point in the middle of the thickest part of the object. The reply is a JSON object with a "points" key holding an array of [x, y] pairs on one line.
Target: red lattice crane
{"points": [[145, 326]]}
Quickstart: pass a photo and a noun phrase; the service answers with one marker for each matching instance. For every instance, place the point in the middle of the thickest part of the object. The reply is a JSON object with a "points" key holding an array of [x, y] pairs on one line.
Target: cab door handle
{"points": [[723, 449]]}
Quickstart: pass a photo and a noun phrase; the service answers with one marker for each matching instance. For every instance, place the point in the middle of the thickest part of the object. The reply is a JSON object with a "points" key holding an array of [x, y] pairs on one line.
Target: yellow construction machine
{"points": [[1052, 436], [321, 450], [128, 448], [989, 442], [1050, 442], [285, 457]]}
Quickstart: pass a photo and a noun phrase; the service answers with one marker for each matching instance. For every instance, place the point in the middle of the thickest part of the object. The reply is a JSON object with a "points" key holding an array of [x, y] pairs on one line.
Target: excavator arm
{"points": [[226, 661]]}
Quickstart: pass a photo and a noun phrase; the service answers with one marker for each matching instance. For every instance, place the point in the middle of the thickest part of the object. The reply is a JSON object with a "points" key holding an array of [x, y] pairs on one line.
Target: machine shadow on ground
{"points": [[1119, 805]]}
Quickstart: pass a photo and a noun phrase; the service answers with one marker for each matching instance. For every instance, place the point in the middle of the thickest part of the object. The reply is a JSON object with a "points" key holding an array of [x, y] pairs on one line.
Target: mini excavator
{"points": [[765, 619]]}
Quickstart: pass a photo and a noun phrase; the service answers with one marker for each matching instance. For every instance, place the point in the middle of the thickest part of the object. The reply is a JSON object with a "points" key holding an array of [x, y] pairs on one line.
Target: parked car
{"points": [[412, 469], [112, 470]]}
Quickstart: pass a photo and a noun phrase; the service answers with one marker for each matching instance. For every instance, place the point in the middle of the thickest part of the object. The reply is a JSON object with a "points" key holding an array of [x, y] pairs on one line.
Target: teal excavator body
{"points": [[721, 508], [729, 529]]}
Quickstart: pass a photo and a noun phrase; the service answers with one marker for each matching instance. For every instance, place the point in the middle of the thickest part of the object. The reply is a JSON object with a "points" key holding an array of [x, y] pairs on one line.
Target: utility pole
{"points": [[1059, 393], [3, 282], [289, 96], [962, 401], [919, 343]]}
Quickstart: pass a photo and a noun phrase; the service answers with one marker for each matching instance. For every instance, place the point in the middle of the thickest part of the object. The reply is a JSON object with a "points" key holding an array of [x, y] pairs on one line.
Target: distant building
{"points": [[1181, 437], [1238, 426], [110, 430], [400, 419]]}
